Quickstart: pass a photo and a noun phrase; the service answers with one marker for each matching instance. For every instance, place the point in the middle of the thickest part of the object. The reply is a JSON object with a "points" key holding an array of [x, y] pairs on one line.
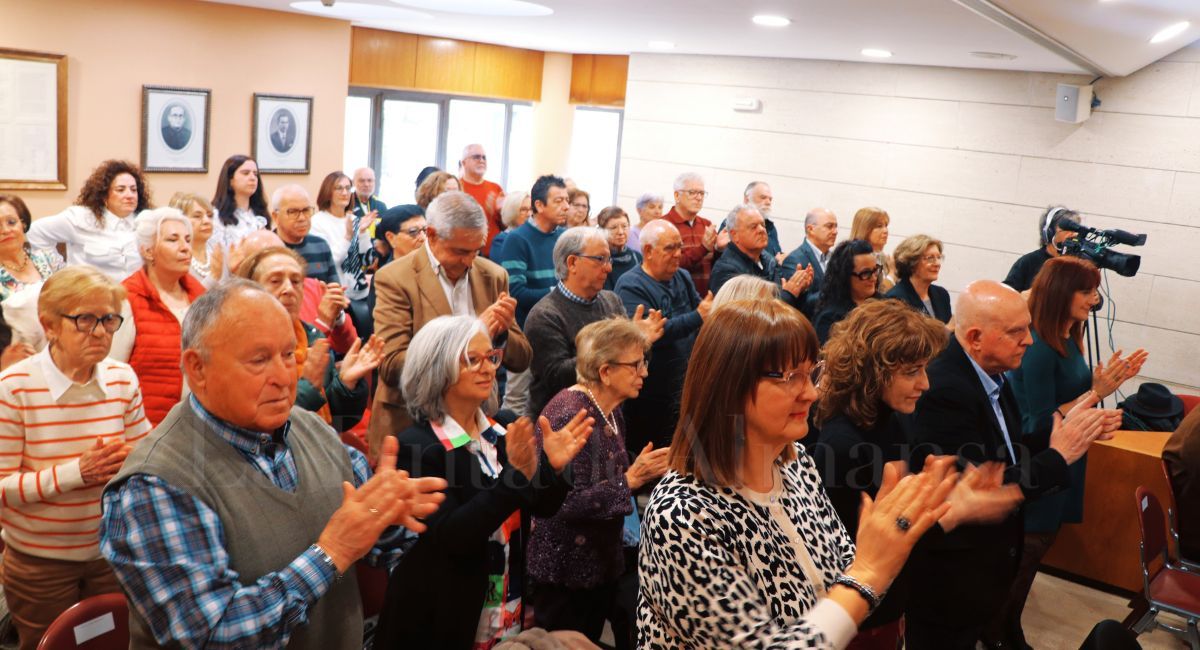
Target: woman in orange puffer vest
{"points": [[159, 295]]}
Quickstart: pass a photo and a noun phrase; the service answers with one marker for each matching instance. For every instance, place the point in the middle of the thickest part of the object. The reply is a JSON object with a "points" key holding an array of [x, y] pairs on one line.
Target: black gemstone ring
{"points": [[903, 523]]}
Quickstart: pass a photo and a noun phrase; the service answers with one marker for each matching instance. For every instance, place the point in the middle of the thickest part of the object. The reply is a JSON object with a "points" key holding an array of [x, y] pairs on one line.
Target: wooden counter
{"points": [[1104, 547]]}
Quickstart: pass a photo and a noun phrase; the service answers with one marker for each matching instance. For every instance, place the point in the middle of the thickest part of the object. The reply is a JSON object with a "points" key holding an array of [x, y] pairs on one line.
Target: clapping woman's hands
{"points": [[562, 445], [521, 447], [904, 508]]}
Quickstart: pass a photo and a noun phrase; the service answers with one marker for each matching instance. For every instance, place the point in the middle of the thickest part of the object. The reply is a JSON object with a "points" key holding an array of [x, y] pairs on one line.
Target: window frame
{"points": [[620, 138], [379, 95]]}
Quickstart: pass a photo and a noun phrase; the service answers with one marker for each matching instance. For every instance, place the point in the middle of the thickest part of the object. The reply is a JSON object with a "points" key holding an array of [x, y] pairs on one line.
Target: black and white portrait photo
{"points": [[175, 129], [281, 135]]}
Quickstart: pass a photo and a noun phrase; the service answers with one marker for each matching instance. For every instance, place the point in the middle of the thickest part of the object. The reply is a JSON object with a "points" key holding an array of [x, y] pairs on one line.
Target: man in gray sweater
{"points": [[582, 261]]}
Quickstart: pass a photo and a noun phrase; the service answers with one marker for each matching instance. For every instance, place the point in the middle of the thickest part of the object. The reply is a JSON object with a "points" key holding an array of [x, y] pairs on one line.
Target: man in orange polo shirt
{"points": [[698, 235], [472, 166]]}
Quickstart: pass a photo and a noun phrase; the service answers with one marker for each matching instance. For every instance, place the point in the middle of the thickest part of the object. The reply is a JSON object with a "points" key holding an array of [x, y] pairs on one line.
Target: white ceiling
{"points": [[1078, 36]]}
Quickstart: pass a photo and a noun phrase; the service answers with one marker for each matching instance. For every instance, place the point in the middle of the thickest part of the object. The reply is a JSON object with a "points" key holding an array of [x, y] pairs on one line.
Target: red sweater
{"points": [[487, 194], [696, 259], [156, 350]]}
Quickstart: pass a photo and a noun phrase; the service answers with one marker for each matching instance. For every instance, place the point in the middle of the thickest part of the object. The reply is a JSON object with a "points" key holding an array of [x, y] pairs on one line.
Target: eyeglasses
{"points": [[342, 188], [581, 206], [476, 156], [494, 357], [794, 379], [413, 232], [602, 260], [638, 366], [867, 274], [87, 323], [695, 193], [933, 259], [296, 213]]}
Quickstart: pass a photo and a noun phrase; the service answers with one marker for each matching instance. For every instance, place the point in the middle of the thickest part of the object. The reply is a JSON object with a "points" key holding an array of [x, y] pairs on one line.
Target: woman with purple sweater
{"points": [[575, 558]]}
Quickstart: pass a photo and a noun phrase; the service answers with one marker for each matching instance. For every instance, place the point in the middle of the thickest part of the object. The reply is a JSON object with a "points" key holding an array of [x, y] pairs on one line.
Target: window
{"points": [[413, 130], [595, 154]]}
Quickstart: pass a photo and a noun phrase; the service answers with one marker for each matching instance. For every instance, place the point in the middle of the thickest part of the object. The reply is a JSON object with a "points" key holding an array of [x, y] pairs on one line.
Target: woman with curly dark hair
{"points": [[851, 278], [240, 202], [98, 230], [874, 373]]}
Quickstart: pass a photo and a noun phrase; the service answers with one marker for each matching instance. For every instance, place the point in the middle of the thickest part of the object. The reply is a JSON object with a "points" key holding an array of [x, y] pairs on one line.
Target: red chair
{"points": [[96, 623], [1166, 587], [1189, 402], [372, 589], [1185, 563]]}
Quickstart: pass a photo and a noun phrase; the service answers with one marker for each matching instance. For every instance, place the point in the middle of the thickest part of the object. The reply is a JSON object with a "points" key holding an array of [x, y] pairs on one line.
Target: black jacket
{"points": [[734, 262], [962, 580], [940, 298], [436, 593]]}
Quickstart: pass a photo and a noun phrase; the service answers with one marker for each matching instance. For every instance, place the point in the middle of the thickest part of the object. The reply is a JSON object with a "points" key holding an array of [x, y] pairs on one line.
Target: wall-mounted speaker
{"points": [[1073, 103]]}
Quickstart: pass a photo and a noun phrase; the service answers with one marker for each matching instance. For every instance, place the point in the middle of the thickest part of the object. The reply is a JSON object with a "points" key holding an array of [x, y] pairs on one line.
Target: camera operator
{"points": [[1052, 235]]}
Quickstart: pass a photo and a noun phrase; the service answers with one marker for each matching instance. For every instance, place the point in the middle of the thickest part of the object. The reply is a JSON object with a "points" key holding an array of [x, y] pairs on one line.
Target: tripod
{"points": [[1091, 334]]}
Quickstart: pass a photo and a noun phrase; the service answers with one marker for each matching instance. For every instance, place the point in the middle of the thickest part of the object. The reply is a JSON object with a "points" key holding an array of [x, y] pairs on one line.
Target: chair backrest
{"points": [[1153, 529], [1189, 402], [96, 623]]}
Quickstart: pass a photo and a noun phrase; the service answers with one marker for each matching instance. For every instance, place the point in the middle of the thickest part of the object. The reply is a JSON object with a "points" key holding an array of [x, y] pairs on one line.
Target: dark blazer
{"points": [[963, 580], [436, 594], [805, 255], [734, 262], [940, 298], [408, 295]]}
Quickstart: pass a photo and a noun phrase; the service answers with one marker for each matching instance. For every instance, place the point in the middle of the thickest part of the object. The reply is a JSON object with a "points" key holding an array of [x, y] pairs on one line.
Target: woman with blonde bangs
{"points": [[872, 225], [874, 374], [207, 266], [740, 545]]}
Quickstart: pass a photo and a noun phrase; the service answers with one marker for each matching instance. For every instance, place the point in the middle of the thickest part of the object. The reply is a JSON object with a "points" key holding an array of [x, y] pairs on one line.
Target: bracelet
{"points": [[863, 590]]}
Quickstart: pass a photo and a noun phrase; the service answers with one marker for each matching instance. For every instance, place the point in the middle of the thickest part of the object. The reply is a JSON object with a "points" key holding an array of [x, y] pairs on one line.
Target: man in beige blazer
{"points": [[444, 277]]}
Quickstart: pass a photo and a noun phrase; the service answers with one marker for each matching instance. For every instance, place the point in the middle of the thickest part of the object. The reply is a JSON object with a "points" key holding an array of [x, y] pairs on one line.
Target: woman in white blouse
{"points": [[740, 545], [240, 203], [98, 230], [338, 226]]}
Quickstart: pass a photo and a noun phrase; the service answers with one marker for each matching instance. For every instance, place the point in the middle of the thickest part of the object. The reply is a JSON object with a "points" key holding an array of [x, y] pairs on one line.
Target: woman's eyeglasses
{"points": [[475, 361], [638, 366], [794, 379], [867, 274], [87, 323]]}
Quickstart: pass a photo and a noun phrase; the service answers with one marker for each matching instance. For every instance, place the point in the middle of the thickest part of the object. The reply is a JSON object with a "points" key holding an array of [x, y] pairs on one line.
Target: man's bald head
{"points": [[251, 244], [992, 325]]}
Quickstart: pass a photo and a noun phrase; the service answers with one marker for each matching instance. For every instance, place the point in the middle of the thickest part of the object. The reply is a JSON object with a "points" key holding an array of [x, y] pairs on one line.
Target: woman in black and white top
{"points": [[740, 546]]}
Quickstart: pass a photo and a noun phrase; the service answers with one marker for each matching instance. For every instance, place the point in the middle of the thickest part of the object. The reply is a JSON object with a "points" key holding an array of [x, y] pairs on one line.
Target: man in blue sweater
{"points": [[660, 284], [529, 259]]}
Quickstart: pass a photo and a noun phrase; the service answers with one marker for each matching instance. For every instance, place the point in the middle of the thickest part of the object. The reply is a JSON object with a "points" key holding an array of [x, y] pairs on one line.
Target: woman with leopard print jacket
{"points": [[740, 546]]}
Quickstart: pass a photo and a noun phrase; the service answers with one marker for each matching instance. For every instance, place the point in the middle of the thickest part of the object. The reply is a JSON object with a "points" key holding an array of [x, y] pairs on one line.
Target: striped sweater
{"points": [[46, 423]]}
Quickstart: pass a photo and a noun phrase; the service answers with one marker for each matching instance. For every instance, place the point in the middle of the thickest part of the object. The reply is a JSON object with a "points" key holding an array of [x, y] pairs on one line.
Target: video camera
{"points": [[1095, 246]]}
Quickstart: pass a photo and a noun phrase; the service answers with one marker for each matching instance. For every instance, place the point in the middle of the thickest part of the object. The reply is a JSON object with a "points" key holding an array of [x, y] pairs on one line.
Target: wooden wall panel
{"points": [[599, 79], [445, 65], [508, 72], [382, 59]]}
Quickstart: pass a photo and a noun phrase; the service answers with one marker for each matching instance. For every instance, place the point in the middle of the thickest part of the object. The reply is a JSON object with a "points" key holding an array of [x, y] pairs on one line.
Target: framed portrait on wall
{"points": [[281, 140], [175, 129], [33, 120]]}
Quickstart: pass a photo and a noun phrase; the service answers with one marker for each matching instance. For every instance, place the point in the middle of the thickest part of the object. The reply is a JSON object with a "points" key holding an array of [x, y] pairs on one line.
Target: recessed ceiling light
{"points": [[999, 56], [876, 53], [481, 7], [662, 45], [771, 21], [1170, 32], [359, 12]]}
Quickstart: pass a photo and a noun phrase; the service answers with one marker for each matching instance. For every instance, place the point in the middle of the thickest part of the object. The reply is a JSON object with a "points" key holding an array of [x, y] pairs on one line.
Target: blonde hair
{"points": [[185, 201], [744, 287], [866, 220], [71, 286], [908, 254], [600, 343]]}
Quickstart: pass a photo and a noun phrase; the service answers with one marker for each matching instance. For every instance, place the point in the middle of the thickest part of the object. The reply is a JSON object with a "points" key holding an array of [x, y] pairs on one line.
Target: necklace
{"points": [[610, 422], [20, 267]]}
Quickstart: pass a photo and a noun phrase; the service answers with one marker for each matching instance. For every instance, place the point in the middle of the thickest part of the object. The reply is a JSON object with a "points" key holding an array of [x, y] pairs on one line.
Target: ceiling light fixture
{"points": [[771, 21], [875, 53], [358, 12], [662, 45], [481, 7], [1170, 32], [998, 56]]}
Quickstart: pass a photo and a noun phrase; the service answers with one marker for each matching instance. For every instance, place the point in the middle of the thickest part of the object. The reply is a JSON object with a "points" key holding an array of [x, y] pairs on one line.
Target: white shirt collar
{"points": [[59, 383], [437, 267]]}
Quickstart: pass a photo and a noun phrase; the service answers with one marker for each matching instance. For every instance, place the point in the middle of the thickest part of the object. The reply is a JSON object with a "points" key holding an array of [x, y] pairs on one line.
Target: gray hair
{"points": [[149, 225], [652, 231], [278, 194], [572, 242], [731, 221], [744, 287], [512, 207], [814, 215], [455, 211], [203, 313], [750, 188], [431, 365], [646, 199], [468, 148], [686, 177]]}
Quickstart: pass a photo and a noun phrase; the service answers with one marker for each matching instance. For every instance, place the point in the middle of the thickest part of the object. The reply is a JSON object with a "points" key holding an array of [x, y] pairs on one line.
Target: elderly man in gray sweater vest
{"points": [[236, 523]]}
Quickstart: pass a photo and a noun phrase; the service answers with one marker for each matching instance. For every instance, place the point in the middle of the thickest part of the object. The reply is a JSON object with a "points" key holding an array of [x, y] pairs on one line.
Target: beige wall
{"points": [[113, 48], [553, 117], [971, 156]]}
